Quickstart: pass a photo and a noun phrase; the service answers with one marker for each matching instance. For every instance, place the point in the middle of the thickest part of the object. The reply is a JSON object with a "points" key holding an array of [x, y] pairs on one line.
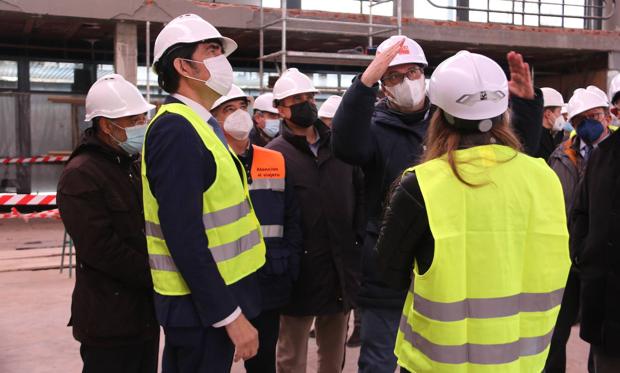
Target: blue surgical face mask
{"points": [[272, 127], [135, 138], [568, 127], [590, 130]]}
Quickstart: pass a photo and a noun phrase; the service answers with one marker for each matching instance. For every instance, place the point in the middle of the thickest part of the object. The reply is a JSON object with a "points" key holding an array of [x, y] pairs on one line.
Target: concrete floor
{"points": [[35, 307]]}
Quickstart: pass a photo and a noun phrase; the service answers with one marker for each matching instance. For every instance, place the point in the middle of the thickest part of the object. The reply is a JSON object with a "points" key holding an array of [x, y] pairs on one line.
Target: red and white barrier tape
{"points": [[14, 214], [38, 159], [27, 199]]}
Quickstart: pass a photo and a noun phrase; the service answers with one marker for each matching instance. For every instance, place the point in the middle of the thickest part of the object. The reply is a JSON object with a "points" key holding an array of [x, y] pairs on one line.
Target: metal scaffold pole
{"points": [[284, 18], [261, 47], [148, 61]]}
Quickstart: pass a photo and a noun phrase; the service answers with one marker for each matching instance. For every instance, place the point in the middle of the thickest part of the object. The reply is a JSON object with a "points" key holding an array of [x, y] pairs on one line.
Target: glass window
{"points": [[59, 76], [8, 74]]}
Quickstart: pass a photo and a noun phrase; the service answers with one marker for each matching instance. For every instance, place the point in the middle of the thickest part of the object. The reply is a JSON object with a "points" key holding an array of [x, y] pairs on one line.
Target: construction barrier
{"points": [[38, 159], [14, 214], [10, 199]]}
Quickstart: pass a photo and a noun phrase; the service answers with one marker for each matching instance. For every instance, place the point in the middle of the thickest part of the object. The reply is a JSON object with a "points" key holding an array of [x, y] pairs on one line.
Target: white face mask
{"points": [[409, 94], [221, 72], [558, 124], [238, 124]]}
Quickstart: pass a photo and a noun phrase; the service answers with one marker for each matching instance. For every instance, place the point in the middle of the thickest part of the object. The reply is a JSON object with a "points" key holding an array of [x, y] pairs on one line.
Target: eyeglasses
{"points": [[396, 77], [596, 116]]}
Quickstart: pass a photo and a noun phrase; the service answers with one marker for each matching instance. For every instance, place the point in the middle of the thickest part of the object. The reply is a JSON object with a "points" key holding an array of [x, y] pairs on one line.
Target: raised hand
{"points": [[380, 64], [520, 84]]}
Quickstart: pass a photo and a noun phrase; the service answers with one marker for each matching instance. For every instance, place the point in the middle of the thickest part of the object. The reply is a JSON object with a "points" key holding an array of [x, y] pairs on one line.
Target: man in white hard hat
{"points": [[553, 123], [594, 239], [204, 239], [112, 312], [588, 112], [387, 137], [329, 193], [266, 120], [328, 109], [277, 210]]}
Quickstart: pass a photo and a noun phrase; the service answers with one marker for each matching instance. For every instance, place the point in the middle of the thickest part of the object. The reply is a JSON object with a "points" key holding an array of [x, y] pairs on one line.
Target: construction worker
{"points": [[569, 159], [588, 112], [330, 196], [385, 138], [99, 197], [266, 120], [328, 109], [478, 232], [277, 211], [553, 123], [594, 243], [204, 239]]}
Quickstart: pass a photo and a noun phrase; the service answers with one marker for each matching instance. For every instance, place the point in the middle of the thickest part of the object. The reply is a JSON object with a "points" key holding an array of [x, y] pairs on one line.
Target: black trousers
{"points": [[197, 350], [268, 326], [138, 358], [556, 361]]}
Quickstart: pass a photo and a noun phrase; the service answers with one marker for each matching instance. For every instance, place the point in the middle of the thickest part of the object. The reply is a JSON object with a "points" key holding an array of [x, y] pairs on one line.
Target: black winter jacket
{"points": [[384, 143], [330, 197], [595, 246], [100, 201]]}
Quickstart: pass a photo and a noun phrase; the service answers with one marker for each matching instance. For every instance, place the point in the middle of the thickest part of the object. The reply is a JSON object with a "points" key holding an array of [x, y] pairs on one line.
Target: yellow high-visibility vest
{"points": [[490, 299], [235, 239]]}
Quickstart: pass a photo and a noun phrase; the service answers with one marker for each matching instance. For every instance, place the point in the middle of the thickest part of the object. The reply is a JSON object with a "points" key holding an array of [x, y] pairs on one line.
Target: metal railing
{"points": [[592, 10]]}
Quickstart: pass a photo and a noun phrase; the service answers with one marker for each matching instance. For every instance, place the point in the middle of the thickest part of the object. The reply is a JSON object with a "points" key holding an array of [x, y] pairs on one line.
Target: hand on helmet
{"points": [[380, 64], [520, 84]]}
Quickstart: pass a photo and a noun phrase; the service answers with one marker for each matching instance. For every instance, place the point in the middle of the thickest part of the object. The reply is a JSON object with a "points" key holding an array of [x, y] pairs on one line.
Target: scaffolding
{"points": [[286, 23]]}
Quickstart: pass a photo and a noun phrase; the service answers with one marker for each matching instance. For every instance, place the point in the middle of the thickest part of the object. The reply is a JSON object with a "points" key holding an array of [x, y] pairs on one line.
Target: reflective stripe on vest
{"points": [[483, 308], [490, 299], [476, 353], [272, 231], [232, 229], [273, 184]]}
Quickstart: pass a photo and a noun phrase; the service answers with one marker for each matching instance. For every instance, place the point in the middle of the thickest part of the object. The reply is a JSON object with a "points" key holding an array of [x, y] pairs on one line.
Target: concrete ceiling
{"points": [[84, 39]]}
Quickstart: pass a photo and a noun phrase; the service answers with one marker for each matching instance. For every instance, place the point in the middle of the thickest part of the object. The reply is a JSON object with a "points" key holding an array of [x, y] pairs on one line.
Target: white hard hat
{"points": [[329, 107], [292, 82], [234, 93], [264, 102], [469, 86], [586, 99], [189, 28], [614, 87], [551, 97], [564, 109], [111, 96], [410, 52]]}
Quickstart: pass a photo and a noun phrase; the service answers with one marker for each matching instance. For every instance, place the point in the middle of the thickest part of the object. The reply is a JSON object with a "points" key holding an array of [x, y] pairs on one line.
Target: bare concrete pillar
{"points": [[613, 67], [407, 8], [613, 23], [126, 50], [22, 123]]}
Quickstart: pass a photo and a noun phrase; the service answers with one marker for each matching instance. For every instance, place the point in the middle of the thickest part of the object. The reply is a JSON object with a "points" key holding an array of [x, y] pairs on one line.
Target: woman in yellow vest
{"points": [[477, 232]]}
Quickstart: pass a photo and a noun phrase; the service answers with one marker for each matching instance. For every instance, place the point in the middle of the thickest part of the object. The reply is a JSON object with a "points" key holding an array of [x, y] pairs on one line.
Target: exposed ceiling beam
{"points": [[28, 26], [72, 29]]}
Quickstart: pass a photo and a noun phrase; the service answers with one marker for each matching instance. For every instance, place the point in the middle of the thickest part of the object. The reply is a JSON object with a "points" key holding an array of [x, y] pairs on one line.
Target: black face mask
{"points": [[304, 114]]}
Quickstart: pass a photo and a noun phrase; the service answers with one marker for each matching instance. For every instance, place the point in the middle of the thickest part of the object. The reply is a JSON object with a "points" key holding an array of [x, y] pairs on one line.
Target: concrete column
{"points": [[612, 24], [22, 124], [126, 50], [407, 8], [613, 67]]}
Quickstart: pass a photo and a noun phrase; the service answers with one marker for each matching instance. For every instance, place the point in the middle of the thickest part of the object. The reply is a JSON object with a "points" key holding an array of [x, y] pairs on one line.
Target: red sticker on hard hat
{"points": [[404, 49]]}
